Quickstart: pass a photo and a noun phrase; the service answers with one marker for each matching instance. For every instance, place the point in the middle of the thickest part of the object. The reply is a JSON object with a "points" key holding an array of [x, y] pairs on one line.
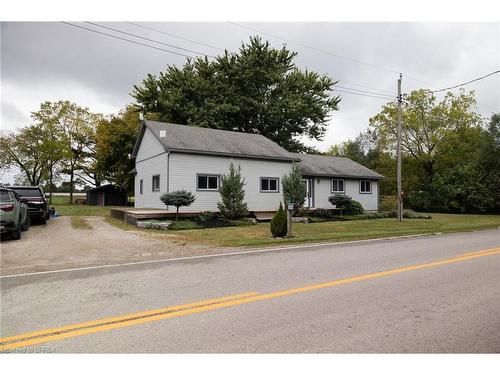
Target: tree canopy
{"points": [[450, 158], [257, 90]]}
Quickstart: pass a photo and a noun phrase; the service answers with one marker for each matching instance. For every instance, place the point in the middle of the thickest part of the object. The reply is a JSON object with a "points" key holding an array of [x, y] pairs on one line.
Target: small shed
{"points": [[107, 195]]}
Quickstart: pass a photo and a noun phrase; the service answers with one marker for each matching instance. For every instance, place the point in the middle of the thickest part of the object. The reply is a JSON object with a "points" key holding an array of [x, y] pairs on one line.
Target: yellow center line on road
{"points": [[38, 337]]}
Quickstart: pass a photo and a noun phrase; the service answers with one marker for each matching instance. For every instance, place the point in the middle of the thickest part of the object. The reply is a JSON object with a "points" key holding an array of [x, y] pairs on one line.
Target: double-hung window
{"points": [[365, 186], [338, 185], [156, 183], [269, 184], [141, 186], [207, 182]]}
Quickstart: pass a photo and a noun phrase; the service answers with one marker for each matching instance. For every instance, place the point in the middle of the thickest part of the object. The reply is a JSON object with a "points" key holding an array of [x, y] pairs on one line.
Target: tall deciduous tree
{"points": [[257, 90], [116, 138], [25, 149]]}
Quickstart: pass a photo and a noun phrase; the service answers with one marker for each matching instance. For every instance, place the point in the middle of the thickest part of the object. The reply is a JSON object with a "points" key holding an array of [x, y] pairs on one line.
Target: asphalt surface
{"points": [[447, 308]]}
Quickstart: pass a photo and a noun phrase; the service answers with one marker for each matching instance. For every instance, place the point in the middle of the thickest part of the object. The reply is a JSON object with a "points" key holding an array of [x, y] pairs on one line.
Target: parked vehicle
{"points": [[34, 198], [14, 216]]}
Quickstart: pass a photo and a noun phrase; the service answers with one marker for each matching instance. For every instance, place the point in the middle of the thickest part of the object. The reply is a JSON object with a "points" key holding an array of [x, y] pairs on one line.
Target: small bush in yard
{"points": [[409, 214], [179, 198], [278, 223], [388, 202], [353, 208], [323, 213], [349, 206]]}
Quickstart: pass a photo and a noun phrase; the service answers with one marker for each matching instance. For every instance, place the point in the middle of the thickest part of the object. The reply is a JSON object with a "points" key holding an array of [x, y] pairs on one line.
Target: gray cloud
{"points": [[52, 61]]}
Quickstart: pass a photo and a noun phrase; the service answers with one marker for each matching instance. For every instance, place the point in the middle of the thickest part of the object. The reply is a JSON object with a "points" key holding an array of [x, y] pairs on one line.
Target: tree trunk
{"points": [[71, 177], [51, 176], [177, 214]]}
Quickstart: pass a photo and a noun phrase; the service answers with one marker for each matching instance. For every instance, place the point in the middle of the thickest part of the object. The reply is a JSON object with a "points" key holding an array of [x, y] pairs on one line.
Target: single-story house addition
{"points": [[171, 157]]}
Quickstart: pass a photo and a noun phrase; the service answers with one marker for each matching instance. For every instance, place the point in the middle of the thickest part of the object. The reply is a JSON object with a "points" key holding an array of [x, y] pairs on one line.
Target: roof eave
{"points": [[228, 154]]}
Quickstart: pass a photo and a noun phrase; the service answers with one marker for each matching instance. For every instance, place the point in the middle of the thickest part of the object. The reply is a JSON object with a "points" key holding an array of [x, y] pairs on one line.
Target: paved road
{"points": [[449, 306]]}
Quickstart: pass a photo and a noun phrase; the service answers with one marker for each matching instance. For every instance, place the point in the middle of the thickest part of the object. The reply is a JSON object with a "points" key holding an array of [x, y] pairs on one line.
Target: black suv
{"points": [[34, 198]]}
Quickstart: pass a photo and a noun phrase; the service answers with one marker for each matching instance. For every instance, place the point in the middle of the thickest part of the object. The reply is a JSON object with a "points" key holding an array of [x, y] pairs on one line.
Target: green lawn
{"points": [[332, 231], [81, 210], [335, 231]]}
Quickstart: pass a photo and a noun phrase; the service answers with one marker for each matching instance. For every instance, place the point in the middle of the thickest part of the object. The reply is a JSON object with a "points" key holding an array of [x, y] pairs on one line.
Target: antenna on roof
{"points": [[163, 133]]}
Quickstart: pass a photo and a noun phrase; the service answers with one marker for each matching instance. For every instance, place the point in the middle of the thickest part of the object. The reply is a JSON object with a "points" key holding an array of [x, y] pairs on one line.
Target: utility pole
{"points": [[398, 152]]}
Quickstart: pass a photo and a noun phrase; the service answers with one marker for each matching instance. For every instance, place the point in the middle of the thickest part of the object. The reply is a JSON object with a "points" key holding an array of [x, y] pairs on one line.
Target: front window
{"points": [[141, 186], [156, 183], [208, 182], [338, 185], [269, 184], [365, 186]]}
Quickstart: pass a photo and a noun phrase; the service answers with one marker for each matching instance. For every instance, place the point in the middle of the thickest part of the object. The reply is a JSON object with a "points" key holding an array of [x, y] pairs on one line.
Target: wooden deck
{"points": [[131, 215]]}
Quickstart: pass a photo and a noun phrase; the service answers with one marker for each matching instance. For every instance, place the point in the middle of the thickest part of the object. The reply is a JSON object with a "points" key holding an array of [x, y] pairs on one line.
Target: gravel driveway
{"points": [[58, 245]]}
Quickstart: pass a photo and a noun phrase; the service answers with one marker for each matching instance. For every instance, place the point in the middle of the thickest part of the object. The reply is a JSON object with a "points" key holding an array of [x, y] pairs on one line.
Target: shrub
{"points": [[323, 213], [179, 198], [185, 224], [205, 216], [232, 193], [389, 202], [349, 206], [409, 214], [278, 223], [339, 200], [353, 208]]}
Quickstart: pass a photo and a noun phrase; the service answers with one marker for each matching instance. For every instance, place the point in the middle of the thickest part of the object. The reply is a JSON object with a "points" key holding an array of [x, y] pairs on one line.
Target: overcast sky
{"points": [[54, 61]]}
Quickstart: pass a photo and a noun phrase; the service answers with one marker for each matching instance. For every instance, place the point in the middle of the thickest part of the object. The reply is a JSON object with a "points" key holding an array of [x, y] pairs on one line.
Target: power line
{"points": [[361, 94], [468, 82], [367, 87], [126, 40], [175, 36], [325, 51], [364, 91], [148, 39]]}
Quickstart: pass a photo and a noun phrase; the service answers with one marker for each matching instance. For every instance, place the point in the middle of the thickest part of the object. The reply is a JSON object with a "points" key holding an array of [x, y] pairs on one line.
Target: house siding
{"points": [[185, 167], [151, 160], [322, 190]]}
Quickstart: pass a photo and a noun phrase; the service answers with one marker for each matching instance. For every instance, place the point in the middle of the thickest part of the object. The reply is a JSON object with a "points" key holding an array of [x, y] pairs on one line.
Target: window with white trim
{"points": [[365, 186], [207, 182], [338, 185], [141, 186], [269, 184], [156, 183]]}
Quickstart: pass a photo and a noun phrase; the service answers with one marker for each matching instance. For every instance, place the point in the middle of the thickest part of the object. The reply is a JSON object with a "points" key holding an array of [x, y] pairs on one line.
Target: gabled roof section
{"points": [[196, 140], [331, 166]]}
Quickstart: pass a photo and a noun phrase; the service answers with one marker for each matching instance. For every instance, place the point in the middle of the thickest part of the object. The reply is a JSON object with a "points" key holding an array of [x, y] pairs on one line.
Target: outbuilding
{"points": [[107, 195]]}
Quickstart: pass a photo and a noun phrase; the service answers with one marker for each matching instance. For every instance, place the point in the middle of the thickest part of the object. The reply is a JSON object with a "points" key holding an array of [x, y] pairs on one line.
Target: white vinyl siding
{"points": [[322, 190], [184, 169]]}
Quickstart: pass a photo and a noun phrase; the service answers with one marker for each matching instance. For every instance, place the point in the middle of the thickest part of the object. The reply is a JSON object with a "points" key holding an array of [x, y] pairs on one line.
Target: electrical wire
{"points": [[468, 82], [175, 36], [148, 39], [125, 39], [325, 51]]}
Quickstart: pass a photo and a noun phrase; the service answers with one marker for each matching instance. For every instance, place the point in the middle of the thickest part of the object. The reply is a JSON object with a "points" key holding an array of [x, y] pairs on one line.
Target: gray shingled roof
{"points": [[183, 138], [320, 165]]}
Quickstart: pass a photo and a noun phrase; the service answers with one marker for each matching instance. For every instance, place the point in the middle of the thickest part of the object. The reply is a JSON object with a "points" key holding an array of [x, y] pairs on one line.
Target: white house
{"points": [[171, 157]]}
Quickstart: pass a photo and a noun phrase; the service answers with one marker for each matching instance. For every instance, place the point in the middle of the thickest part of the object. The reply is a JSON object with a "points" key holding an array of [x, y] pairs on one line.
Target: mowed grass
{"points": [[81, 210], [78, 222], [336, 231]]}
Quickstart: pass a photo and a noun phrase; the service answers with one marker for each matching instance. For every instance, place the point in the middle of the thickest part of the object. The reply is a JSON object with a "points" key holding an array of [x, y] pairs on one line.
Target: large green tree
{"points": [[257, 90], [116, 138]]}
